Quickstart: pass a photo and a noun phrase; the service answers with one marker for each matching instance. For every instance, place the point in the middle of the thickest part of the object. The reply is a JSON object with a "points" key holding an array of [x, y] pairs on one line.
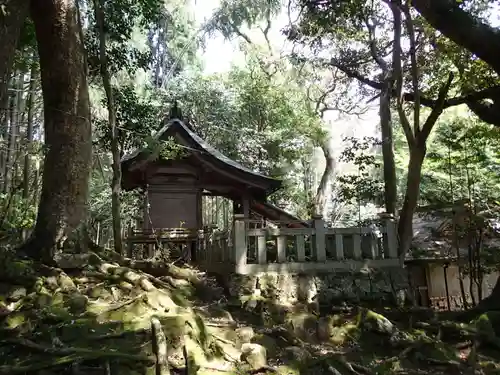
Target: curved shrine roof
{"points": [[177, 127]]}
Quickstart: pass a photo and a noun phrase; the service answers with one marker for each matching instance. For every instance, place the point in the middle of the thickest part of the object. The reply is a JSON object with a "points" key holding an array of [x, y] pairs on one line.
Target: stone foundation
{"points": [[383, 284]]}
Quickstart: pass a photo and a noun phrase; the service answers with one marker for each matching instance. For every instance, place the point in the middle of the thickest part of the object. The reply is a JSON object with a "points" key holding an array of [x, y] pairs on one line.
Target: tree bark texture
{"points": [[67, 160], [405, 224], [115, 146], [29, 129], [13, 13], [390, 182], [325, 185]]}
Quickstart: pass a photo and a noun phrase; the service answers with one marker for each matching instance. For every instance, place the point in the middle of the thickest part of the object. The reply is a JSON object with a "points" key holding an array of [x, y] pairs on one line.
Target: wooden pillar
{"points": [[145, 208], [199, 209], [240, 242], [246, 205]]}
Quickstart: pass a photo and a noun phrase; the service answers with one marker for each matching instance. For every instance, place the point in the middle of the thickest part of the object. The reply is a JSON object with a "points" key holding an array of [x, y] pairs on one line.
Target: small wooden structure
{"points": [[262, 237], [440, 255]]}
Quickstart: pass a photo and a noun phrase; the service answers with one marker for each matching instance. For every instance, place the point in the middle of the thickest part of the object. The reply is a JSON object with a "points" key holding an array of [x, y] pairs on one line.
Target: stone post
{"points": [[320, 234], [240, 242], [392, 236]]}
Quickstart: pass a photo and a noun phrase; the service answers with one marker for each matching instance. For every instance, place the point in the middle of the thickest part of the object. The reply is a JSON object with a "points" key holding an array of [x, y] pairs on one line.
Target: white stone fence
{"points": [[311, 250]]}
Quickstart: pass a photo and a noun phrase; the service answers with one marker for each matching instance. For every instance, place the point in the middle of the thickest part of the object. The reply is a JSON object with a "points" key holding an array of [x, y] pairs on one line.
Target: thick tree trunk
{"points": [[405, 225], [324, 188], [67, 161], [115, 146]]}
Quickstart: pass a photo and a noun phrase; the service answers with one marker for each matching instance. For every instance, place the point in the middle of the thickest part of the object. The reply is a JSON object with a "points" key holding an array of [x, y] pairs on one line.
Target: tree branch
{"points": [[414, 65], [469, 98], [354, 74], [462, 28], [398, 75], [436, 111], [265, 31], [238, 32], [373, 47]]}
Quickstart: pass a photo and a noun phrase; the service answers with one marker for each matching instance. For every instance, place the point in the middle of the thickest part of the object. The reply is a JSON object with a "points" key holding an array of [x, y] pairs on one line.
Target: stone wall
{"points": [[382, 284]]}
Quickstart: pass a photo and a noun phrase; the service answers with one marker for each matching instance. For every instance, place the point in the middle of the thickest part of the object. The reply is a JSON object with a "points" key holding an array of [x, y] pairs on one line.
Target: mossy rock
{"points": [[488, 324], [303, 325], [77, 303], [16, 269], [254, 354], [127, 313], [287, 370], [438, 350], [15, 320], [100, 291], [16, 293], [272, 344], [42, 300], [348, 332], [372, 321], [51, 283], [66, 283]]}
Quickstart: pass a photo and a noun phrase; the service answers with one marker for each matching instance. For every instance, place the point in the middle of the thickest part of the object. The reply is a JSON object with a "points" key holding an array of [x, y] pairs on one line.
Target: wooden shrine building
{"points": [[174, 188], [258, 238]]}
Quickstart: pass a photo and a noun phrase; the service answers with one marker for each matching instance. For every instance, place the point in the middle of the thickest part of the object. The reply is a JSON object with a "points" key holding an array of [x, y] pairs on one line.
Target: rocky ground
{"points": [[109, 315]]}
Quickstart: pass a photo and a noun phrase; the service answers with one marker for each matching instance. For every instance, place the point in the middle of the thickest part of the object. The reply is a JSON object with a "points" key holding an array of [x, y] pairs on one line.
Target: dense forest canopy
{"points": [[268, 113]]}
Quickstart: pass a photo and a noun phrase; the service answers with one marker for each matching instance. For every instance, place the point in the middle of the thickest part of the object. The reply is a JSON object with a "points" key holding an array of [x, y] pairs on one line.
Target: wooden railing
{"points": [[316, 249], [215, 248], [151, 241], [208, 247]]}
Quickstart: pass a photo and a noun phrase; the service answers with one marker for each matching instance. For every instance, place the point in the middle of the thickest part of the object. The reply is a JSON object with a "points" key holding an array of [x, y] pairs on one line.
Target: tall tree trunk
{"points": [[115, 147], [29, 128], [390, 183], [15, 120], [68, 159], [13, 13], [324, 188], [10, 124], [405, 225]]}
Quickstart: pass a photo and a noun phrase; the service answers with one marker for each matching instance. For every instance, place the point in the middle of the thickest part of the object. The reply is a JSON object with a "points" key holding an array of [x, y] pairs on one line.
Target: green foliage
{"points": [[137, 116], [100, 198], [121, 18], [463, 162], [365, 185], [233, 14], [266, 124], [165, 149]]}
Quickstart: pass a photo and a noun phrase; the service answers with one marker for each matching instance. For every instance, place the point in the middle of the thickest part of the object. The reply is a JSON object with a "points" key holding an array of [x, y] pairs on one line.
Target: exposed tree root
{"points": [[159, 348], [263, 370], [65, 356]]}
